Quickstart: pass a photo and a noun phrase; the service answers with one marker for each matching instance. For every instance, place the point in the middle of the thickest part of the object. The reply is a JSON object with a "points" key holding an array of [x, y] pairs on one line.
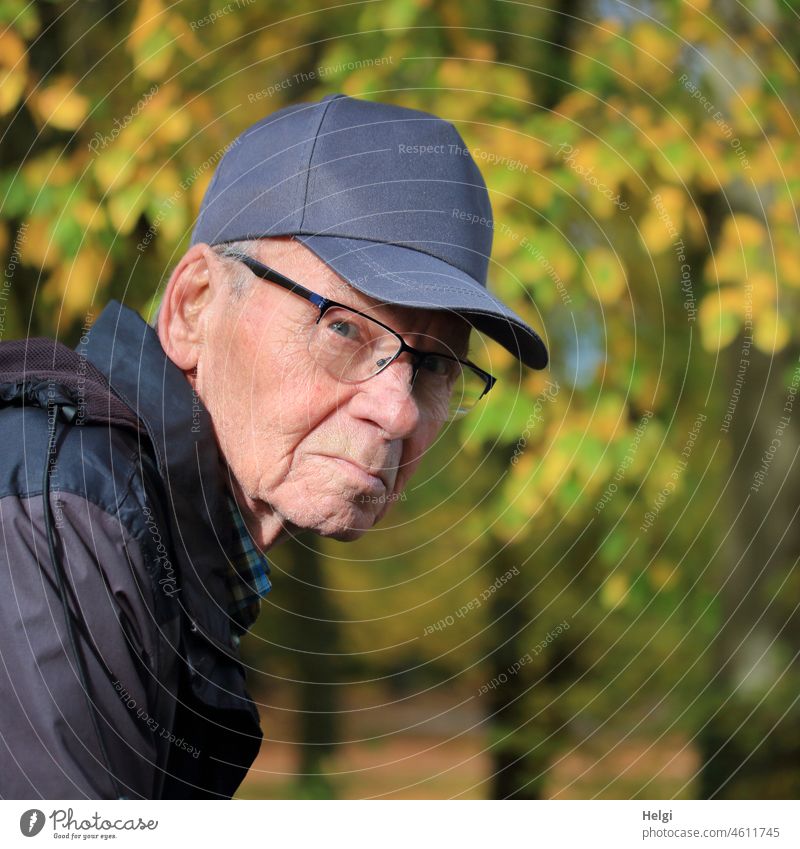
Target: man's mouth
{"points": [[371, 478]]}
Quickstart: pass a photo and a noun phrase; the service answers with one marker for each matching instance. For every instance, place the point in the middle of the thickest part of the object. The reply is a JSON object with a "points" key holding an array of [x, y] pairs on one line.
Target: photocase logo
{"points": [[31, 822]]}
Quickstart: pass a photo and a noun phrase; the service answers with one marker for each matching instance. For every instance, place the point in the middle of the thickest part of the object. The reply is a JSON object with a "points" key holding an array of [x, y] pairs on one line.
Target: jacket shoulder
{"points": [[100, 463]]}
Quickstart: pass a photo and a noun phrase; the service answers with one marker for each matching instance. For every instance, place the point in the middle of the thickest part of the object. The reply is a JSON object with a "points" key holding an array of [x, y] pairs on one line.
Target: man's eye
{"points": [[345, 329], [438, 365]]}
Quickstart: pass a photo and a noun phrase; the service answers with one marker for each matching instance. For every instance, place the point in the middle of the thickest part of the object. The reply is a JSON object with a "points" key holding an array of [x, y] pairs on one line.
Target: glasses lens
{"points": [[447, 388], [351, 347], [467, 392]]}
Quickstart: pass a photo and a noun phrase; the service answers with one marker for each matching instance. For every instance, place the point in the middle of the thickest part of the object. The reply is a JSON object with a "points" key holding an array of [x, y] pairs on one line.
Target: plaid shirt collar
{"points": [[247, 577]]}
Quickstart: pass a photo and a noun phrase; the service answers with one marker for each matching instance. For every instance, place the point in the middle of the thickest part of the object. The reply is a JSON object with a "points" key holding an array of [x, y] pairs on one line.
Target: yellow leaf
{"points": [[13, 69], [661, 574], [743, 250], [89, 215], [113, 169], [12, 49], [523, 469], [726, 264], [190, 45], [12, 84], [562, 259], [175, 127], [720, 317], [607, 422], [746, 111], [656, 42], [581, 158], [744, 231], [575, 102], [771, 332], [667, 209], [60, 104], [125, 207], [540, 193], [198, 189], [76, 283], [784, 212], [713, 167], [152, 40], [694, 26], [786, 259], [148, 19], [654, 234], [695, 225], [615, 590], [601, 204], [763, 290], [51, 169], [607, 279], [779, 114], [176, 222], [37, 249], [655, 57], [552, 471]]}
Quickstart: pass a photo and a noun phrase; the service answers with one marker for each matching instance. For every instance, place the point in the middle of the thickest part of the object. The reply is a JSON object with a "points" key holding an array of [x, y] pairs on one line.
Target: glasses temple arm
{"points": [[267, 273]]}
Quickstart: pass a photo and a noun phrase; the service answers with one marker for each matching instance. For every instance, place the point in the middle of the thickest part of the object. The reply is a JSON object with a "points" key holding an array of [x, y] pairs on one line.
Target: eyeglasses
{"points": [[352, 347]]}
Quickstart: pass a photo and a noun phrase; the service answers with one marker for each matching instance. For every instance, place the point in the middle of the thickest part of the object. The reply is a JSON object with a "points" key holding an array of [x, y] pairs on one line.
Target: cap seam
{"points": [[309, 175]]}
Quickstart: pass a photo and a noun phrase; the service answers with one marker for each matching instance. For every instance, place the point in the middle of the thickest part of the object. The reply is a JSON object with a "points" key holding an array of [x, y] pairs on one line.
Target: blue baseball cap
{"points": [[390, 198]]}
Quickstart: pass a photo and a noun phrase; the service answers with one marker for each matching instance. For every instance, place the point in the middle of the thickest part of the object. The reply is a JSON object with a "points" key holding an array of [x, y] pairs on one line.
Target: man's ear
{"points": [[191, 288]]}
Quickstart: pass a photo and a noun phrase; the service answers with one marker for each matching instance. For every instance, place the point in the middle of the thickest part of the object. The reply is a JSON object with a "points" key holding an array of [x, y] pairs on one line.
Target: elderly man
{"points": [[310, 345]]}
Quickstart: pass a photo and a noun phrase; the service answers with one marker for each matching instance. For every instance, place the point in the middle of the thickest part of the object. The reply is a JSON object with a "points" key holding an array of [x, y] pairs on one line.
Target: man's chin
{"points": [[344, 535], [349, 524]]}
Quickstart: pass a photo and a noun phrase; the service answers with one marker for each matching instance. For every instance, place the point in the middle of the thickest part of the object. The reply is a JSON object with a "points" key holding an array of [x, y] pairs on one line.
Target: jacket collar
{"points": [[128, 352]]}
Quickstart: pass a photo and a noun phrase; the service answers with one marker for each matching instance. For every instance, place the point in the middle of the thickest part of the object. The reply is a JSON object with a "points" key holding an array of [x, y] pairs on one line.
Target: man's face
{"points": [[303, 448]]}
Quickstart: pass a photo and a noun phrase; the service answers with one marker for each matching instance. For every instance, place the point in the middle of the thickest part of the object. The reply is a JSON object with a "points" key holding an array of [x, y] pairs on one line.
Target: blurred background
{"points": [[591, 590]]}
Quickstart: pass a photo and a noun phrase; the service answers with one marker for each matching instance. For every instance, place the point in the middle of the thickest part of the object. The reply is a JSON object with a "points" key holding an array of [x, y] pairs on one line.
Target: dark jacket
{"points": [[141, 530]]}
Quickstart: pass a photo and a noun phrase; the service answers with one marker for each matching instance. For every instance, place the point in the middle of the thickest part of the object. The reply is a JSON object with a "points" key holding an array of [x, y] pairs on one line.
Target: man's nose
{"points": [[388, 400]]}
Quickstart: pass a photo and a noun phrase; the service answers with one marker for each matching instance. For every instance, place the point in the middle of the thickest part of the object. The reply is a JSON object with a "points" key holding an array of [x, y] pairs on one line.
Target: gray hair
{"points": [[239, 278]]}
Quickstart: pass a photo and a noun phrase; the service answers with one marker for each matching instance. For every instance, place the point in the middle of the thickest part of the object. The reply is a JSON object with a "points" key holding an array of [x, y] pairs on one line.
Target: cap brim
{"points": [[409, 278]]}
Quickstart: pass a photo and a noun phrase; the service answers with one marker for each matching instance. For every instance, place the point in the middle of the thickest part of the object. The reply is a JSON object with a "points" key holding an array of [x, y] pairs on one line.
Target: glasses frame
{"points": [[323, 304]]}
